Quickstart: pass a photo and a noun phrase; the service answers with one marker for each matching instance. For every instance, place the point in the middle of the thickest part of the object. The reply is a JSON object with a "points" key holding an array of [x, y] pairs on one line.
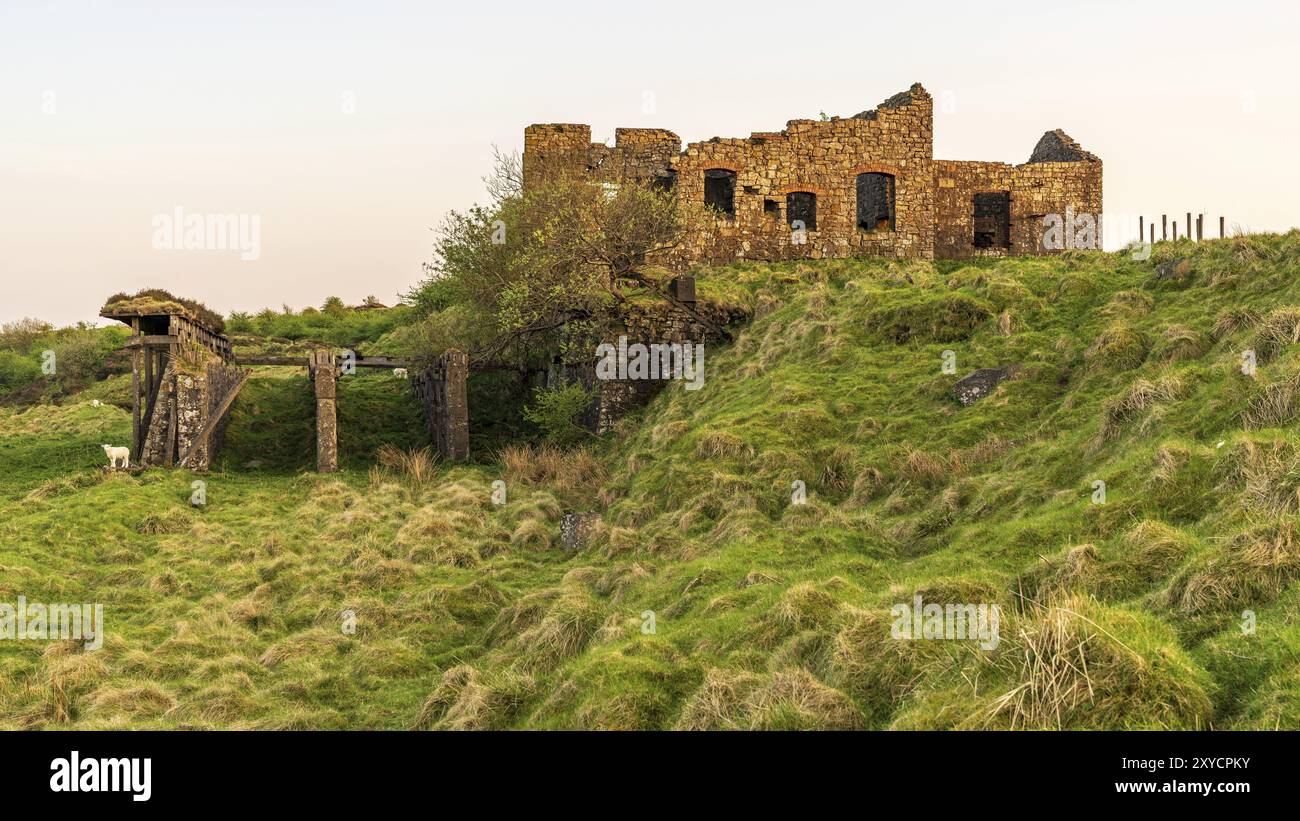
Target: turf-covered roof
{"points": [[157, 302]]}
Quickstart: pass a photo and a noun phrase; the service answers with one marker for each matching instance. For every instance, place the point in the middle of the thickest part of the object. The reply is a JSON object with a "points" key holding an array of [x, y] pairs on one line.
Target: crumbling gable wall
{"points": [[1042, 188], [1059, 177]]}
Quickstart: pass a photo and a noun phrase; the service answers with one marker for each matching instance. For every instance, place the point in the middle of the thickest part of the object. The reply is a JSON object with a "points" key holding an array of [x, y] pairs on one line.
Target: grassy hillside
{"points": [[765, 613]]}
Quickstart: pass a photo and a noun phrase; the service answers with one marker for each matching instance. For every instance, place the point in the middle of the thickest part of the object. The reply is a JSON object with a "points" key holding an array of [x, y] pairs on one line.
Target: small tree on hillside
{"points": [[561, 255]]}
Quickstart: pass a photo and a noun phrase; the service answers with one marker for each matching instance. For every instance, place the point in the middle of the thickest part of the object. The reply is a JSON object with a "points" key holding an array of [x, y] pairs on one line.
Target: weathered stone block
{"points": [[576, 529], [979, 384]]}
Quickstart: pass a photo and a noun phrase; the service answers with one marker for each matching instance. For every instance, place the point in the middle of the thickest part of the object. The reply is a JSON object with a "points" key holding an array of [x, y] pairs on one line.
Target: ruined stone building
{"points": [[866, 185]]}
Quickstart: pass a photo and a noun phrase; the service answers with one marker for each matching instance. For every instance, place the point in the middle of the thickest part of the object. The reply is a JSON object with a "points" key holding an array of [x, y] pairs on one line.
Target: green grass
{"points": [[766, 614]]}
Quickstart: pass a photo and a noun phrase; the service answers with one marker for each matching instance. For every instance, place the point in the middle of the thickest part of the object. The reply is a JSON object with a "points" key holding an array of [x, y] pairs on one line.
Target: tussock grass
{"points": [[564, 472], [171, 521], [721, 445], [1119, 347], [417, 465], [924, 469], [1273, 404], [569, 623], [791, 699], [1080, 657], [926, 316], [1178, 343], [1129, 303], [803, 606], [1252, 568], [1234, 319], [1267, 473], [1278, 329], [1073, 662], [465, 699], [719, 704], [1144, 397]]}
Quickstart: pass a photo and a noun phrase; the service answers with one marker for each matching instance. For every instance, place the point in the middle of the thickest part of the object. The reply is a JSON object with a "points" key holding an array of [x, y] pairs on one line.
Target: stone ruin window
{"points": [[875, 201], [772, 208], [801, 206], [665, 181], [992, 211], [720, 190]]}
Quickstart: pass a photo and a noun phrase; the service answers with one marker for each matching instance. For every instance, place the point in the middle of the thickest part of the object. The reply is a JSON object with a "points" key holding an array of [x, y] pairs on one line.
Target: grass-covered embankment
{"points": [[765, 613]]}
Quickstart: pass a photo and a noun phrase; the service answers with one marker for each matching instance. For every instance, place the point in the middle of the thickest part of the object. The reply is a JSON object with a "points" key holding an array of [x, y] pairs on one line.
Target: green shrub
{"points": [[558, 412], [19, 335], [17, 371]]}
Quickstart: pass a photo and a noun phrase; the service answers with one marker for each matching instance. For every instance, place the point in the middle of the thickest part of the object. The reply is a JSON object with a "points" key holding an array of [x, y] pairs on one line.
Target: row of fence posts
{"points": [[1167, 225]]}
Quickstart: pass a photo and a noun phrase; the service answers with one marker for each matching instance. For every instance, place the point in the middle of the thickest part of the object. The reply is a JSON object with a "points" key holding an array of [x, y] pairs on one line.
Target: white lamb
{"points": [[117, 454], [400, 373]]}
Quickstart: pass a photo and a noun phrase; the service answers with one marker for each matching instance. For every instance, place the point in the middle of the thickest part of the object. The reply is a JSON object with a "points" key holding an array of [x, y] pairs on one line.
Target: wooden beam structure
{"points": [[306, 361]]}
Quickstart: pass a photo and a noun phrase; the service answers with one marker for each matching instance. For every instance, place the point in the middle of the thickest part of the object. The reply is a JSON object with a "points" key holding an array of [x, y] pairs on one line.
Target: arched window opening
{"points": [[875, 201], [720, 190]]}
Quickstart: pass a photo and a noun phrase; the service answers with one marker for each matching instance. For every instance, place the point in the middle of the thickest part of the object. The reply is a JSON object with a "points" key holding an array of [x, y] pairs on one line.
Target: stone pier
{"points": [[324, 375], [441, 389]]}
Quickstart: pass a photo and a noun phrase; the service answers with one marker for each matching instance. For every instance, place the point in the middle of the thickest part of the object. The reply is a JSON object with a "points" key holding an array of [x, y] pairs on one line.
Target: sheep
{"points": [[94, 403], [115, 454], [400, 373]]}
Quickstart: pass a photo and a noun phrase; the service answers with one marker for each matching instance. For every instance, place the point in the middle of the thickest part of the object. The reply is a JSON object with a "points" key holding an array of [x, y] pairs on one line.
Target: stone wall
{"points": [[191, 390], [222, 379], [824, 159], [198, 394], [933, 200], [957, 183], [644, 323]]}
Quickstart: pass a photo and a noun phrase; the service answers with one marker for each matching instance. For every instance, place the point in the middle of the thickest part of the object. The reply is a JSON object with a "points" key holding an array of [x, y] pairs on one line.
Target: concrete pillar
{"points": [[325, 379]]}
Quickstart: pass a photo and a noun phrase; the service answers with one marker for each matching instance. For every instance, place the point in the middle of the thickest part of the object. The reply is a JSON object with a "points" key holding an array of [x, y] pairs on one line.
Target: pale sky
{"points": [[350, 128]]}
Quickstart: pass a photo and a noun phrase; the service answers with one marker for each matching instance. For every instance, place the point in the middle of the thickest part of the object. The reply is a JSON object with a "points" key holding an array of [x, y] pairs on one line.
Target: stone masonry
{"points": [[866, 185]]}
